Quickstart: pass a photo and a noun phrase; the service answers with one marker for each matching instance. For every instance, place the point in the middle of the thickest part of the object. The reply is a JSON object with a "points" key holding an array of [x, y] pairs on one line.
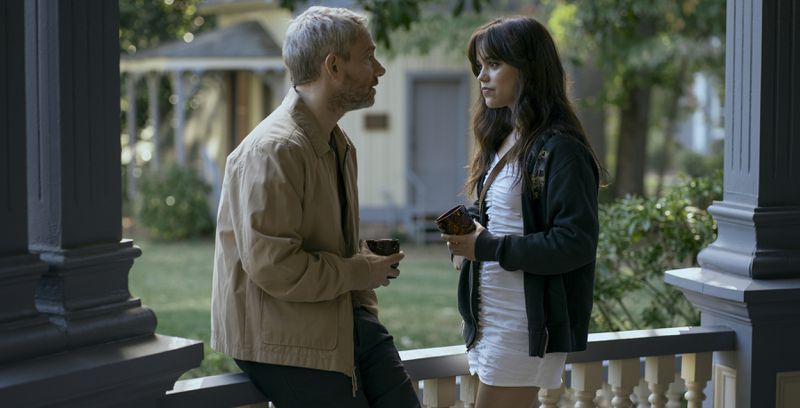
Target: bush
{"points": [[174, 204], [640, 239]]}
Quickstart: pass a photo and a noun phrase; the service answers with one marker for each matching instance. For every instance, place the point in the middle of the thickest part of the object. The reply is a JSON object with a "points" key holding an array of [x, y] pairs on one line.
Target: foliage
{"points": [[641, 45], [387, 16], [640, 239], [146, 23], [697, 165], [641, 41], [174, 204]]}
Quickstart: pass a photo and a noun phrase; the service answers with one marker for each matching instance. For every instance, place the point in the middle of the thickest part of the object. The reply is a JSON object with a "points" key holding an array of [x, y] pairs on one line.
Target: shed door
{"points": [[438, 142]]}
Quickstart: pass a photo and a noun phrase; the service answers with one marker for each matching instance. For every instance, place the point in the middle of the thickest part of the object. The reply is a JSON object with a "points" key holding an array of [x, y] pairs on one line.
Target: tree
{"points": [[642, 45], [387, 16]]}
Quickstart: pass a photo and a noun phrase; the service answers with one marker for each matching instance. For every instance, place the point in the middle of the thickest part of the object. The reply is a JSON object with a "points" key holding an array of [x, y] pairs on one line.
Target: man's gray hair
{"points": [[314, 34]]}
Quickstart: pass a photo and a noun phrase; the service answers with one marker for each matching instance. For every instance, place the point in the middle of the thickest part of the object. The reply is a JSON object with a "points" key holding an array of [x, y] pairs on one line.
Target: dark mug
{"points": [[456, 221], [384, 247]]}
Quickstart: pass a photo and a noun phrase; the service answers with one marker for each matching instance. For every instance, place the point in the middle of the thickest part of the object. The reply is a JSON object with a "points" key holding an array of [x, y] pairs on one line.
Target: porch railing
{"points": [[657, 368]]}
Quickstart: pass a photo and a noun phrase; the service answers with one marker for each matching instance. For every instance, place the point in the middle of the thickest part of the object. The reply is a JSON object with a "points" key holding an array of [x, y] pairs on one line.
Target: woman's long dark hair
{"points": [[541, 103]]}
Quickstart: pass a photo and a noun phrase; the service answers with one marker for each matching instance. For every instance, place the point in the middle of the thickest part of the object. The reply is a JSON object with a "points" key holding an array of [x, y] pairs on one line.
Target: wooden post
{"points": [[659, 372], [587, 378], [623, 375], [696, 371], [439, 392]]}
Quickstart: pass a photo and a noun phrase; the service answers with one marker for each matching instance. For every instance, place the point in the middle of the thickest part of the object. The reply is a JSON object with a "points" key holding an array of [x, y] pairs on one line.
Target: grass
{"points": [[174, 279]]}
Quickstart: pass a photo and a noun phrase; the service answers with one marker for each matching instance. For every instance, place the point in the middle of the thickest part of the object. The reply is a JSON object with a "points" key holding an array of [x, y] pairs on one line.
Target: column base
{"points": [[85, 293], [131, 373], [765, 314], [757, 242], [24, 332]]}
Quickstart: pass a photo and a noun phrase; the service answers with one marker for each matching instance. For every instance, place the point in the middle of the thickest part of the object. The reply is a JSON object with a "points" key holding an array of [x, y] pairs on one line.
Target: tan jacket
{"points": [[286, 277]]}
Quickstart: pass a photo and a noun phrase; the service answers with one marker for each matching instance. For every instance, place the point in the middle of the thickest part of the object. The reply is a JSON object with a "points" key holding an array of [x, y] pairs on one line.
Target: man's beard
{"points": [[351, 99]]}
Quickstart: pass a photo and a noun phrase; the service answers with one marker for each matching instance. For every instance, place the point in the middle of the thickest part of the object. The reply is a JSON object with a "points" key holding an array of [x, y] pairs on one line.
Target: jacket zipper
{"points": [[347, 194], [342, 170]]}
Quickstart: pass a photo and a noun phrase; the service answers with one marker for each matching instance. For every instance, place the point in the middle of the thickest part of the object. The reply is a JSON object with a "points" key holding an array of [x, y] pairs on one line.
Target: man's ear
{"points": [[330, 66]]}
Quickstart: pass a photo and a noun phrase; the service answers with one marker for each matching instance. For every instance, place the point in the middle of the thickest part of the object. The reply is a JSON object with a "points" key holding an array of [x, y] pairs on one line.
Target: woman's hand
{"points": [[457, 260], [464, 245]]}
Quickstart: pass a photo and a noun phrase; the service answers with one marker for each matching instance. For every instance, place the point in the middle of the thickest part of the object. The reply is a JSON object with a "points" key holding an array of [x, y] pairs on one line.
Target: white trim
{"points": [[724, 386], [165, 64]]}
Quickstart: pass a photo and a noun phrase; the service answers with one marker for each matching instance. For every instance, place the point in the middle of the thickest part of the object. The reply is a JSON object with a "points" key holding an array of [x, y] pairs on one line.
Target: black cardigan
{"points": [[557, 252]]}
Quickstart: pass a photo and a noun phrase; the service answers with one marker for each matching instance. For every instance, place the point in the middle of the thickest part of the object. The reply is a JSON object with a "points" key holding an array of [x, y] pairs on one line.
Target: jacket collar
{"points": [[310, 125]]}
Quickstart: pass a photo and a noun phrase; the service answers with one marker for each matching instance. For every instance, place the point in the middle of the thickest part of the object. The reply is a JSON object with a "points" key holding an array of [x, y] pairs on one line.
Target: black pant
{"points": [[382, 379]]}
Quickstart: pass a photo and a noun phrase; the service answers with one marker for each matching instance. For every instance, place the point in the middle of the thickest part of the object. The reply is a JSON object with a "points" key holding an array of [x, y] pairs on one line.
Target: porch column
{"points": [[180, 117], [111, 356], [24, 332], [130, 88], [749, 278], [153, 79], [74, 187]]}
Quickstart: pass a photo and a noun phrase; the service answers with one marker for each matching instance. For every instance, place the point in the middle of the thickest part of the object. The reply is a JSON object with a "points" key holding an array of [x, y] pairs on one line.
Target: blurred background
{"points": [[647, 79]]}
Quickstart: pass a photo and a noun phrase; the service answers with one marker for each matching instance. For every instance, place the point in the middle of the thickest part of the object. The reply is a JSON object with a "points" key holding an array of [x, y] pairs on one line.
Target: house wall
{"points": [[382, 154]]}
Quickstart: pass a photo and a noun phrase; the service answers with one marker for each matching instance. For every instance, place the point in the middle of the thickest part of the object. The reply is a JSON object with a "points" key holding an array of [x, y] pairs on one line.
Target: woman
{"points": [[525, 290]]}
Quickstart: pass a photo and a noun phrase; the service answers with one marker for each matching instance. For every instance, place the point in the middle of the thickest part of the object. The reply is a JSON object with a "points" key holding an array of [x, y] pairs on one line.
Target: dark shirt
{"points": [[557, 251]]}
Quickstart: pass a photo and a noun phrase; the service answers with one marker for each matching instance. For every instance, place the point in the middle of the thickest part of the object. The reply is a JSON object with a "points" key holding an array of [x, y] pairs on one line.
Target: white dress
{"points": [[500, 354]]}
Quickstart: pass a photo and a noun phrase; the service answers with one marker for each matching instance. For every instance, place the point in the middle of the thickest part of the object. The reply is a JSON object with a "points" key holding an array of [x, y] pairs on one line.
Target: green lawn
{"points": [[174, 279]]}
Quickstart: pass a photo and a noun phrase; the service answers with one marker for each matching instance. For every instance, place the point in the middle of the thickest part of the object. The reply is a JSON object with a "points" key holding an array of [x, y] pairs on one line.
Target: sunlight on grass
{"points": [[174, 279]]}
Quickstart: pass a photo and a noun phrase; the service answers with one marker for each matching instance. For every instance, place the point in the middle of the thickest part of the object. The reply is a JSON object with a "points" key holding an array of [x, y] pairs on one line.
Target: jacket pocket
{"points": [[297, 324]]}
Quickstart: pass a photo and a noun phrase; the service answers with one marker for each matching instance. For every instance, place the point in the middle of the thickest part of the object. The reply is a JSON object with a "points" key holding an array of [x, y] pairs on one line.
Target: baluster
{"points": [[623, 375], [468, 390], [675, 392], [604, 395], [659, 372], [439, 392], [696, 371], [549, 397], [640, 394], [587, 378]]}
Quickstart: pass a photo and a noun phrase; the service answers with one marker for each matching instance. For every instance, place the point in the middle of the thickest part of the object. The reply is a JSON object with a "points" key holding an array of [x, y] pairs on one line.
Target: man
{"points": [[292, 297]]}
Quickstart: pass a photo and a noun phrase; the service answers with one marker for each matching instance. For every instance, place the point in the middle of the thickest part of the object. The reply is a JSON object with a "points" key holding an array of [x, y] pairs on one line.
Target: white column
{"points": [[153, 79], [659, 372], [696, 371], [130, 115], [549, 397], [675, 392], [439, 392], [641, 394], [468, 390], [623, 375], [587, 378], [180, 117]]}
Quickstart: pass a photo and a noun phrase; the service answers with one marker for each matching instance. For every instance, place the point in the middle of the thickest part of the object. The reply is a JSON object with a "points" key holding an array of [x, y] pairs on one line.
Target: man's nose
{"points": [[379, 69]]}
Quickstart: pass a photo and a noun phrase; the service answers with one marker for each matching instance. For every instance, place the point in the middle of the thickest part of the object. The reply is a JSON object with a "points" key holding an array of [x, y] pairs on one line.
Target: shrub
{"points": [[174, 204], [640, 239]]}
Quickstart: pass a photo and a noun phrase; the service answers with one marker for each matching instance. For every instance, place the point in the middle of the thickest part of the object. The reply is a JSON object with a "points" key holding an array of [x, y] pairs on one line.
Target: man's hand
{"points": [[380, 268], [464, 245]]}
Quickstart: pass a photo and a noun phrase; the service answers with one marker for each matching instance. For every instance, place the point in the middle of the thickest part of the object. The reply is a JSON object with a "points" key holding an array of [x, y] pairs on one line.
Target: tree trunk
{"points": [[586, 93], [632, 146], [671, 124]]}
